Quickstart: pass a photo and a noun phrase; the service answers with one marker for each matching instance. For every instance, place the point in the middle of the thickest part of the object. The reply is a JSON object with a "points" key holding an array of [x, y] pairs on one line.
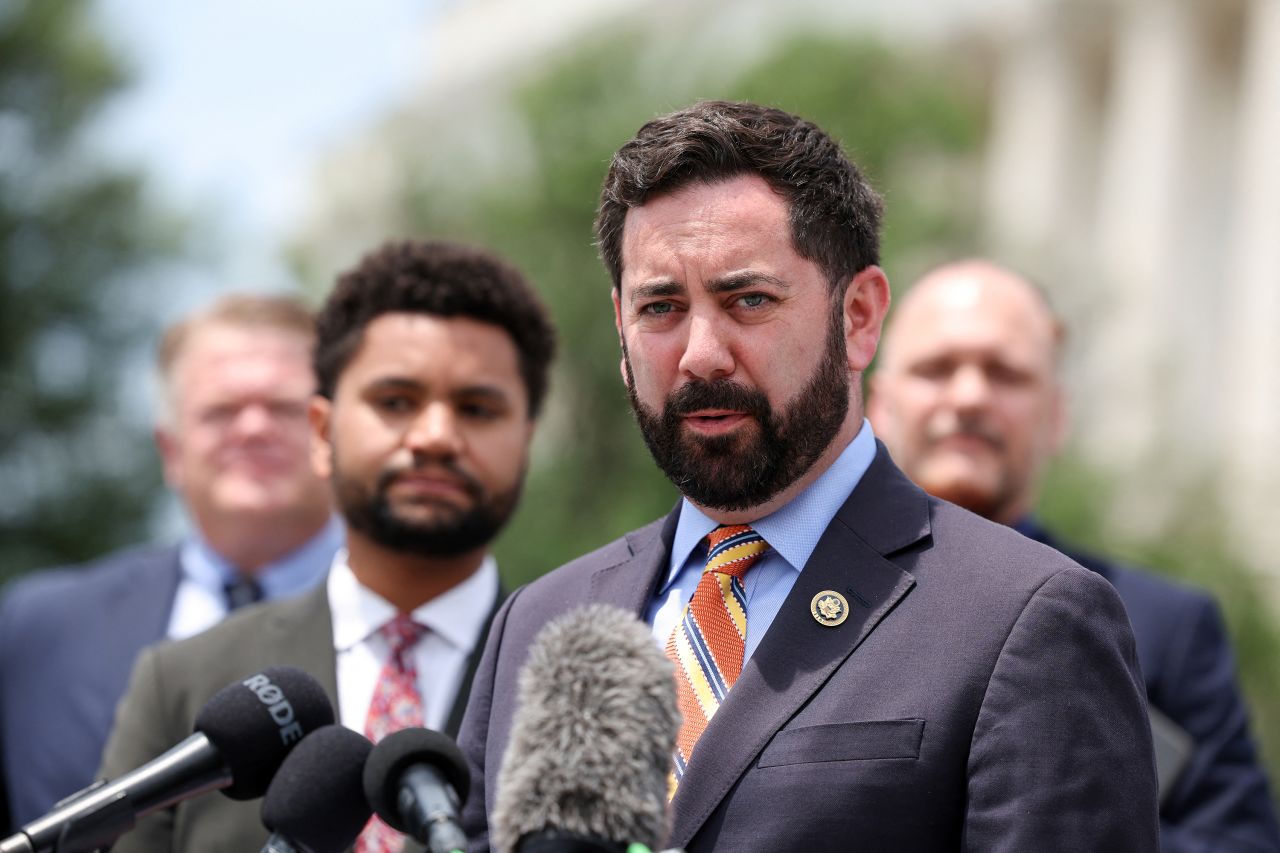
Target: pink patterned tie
{"points": [[396, 705]]}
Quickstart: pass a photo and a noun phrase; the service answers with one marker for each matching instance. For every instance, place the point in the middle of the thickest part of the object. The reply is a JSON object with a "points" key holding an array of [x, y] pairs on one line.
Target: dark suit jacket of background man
{"points": [[173, 680], [937, 717], [68, 640], [1190, 676]]}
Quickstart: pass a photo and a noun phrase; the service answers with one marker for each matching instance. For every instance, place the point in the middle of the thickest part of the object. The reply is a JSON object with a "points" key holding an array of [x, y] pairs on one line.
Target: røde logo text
{"points": [[281, 711]]}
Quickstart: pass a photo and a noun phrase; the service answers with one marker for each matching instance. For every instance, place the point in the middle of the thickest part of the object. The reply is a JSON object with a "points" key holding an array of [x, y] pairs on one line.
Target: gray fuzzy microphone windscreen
{"points": [[593, 734]]}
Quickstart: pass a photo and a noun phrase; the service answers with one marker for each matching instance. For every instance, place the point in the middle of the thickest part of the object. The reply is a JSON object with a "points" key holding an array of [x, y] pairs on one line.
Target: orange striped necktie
{"points": [[708, 644]]}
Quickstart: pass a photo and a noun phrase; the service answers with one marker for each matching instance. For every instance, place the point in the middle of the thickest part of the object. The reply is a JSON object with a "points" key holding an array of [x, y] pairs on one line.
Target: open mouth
{"points": [[968, 442], [715, 421]]}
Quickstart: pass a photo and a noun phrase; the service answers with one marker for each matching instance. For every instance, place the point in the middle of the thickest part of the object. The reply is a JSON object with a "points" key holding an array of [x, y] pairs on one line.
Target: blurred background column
{"points": [[1141, 203], [1039, 166], [1250, 289]]}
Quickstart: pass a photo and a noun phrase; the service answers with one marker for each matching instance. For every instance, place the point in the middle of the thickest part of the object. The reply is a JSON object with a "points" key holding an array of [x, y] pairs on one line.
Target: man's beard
{"points": [[989, 498], [750, 467], [453, 533], [988, 503]]}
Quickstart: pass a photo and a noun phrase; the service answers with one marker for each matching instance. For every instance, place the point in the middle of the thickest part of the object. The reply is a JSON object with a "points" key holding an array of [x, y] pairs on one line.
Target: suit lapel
{"points": [[454, 722], [146, 592], [302, 631], [797, 655], [630, 583]]}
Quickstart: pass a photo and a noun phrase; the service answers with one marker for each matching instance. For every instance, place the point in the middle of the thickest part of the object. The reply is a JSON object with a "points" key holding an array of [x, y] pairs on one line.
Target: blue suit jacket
{"points": [[68, 640], [1221, 802], [983, 694]]}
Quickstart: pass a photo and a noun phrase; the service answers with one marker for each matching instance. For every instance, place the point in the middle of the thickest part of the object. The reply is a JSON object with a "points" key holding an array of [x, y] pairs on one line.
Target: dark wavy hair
{"points": [[835, 214], [441, 278]]}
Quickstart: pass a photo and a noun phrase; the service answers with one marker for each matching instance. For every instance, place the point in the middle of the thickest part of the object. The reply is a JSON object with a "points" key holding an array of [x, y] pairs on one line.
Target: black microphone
{"points": [[316, 803], [416, 780], [591, 744], [241, 736]]}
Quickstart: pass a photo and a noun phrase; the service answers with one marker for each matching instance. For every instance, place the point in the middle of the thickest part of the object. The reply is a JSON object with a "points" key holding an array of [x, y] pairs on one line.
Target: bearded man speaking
{"points": [[859, 666]]}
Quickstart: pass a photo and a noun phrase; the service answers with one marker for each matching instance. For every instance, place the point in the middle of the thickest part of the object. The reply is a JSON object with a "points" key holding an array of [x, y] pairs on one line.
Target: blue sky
{"points": [[234, 100]]}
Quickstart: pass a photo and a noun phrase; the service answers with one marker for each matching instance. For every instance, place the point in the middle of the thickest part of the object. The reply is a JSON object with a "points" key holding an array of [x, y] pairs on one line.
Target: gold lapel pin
{"points": [[829, 608]]}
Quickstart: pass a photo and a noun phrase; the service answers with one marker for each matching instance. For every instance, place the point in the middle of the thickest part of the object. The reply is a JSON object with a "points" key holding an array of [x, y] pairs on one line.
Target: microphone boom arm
{"points": [[101, 813]]}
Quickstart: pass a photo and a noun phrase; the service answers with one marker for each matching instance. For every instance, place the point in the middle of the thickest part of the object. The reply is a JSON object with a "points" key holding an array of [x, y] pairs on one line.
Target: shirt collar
{"points": [[794, 529], [456, 616], [291, 574]]}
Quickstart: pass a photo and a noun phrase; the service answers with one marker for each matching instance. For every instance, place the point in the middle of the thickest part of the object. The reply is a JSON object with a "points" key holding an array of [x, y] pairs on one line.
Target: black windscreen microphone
{"points": [[592, 739], [416, 780], [316, 803], [241, 736]]}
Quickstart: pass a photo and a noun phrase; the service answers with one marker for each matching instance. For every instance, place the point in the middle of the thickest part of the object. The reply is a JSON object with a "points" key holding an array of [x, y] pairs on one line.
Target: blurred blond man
{"points": [[232, 430]]}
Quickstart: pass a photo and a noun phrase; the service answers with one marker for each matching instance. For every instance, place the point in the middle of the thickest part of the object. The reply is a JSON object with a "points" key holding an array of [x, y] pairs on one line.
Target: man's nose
{"points": [[707, 352], [434, 432], [254, 419], [969, 387]]}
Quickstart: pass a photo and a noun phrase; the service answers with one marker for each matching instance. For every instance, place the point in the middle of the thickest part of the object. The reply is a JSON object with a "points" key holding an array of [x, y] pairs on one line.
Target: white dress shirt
{"points": [[454, 621]]}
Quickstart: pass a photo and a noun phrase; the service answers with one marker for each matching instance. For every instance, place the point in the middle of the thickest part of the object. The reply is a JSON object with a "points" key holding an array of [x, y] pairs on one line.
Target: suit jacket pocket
{"points": [[844, 742]]}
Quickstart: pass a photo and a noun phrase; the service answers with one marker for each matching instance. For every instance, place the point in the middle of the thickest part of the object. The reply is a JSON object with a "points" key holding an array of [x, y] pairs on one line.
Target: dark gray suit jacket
{"points": [[1221, 801], [983, 694], [173, 680]]}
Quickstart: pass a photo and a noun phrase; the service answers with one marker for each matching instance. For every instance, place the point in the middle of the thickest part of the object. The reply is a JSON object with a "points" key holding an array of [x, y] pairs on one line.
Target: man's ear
{"points": [[318, 413], [866, 303], [1061, 415], [170, 449], [622, 345]]}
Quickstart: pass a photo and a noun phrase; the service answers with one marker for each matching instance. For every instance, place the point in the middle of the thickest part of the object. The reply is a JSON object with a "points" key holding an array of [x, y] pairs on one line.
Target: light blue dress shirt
{"points": [[201, 601], [792, 532]]}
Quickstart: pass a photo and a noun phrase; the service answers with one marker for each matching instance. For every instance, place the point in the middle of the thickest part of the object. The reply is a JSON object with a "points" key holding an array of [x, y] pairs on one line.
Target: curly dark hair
{"points": [[441, 278], [835, 214]]}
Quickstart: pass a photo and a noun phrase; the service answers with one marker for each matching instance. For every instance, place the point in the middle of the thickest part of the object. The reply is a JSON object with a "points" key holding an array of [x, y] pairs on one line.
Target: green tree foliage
{"points": [[79, 474]]}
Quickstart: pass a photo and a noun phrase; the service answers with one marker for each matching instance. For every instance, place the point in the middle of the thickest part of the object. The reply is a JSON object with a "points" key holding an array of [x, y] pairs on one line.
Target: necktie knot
{"points": [[734, 548], [402, 634], [241, 591]]}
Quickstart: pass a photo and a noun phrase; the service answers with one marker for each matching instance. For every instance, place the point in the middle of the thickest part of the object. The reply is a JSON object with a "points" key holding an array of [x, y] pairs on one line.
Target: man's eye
{"points": [[478, 411], [219, 415], [1010, 376], [933, 370], [288, 411], [753, 300], [483, 409], [393, 404], [657, 308]]}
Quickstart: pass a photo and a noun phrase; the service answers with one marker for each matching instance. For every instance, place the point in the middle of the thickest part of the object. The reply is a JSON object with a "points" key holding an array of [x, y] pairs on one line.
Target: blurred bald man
{"points": [[968, 400]]}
